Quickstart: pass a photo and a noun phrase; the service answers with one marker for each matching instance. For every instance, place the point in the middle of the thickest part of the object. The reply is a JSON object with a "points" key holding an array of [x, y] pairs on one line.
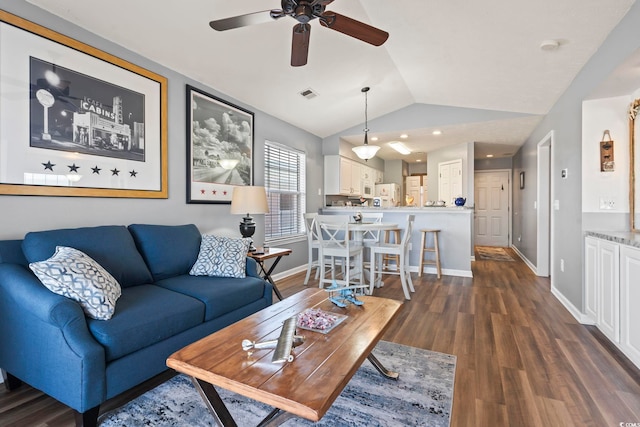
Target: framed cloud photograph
{"points": [[219, 148], [77, 121]]}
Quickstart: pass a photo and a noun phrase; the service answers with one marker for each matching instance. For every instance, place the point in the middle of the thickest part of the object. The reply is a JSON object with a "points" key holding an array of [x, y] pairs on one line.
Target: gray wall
{"points": [[493, 163], [21, 214], [565, 119], [463, 151]]}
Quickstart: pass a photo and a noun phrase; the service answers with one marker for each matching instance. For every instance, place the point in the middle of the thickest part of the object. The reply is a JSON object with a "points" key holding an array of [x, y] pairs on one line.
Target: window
{"points": [[285, 184]]}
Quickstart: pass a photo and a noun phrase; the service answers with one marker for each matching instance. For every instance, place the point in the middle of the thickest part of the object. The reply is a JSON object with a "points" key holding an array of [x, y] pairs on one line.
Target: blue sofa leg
{"points": [[10, 382], [88, 418]]}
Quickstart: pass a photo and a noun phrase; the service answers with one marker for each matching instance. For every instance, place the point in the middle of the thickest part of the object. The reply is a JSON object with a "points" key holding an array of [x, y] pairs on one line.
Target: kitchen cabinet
{"points": [[341, 176], [629, 299], [602, 285], [612, 290], [379, 177]]}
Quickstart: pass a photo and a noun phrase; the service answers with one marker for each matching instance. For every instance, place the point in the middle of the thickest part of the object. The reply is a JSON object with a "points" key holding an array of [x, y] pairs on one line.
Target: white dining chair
{"points": [[371, 237], [401, 249], [312, 243], [333, 235]]}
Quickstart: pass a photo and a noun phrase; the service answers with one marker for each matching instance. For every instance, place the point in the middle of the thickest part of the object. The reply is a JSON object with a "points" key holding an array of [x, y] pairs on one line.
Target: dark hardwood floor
{"points": [[522, 359]]}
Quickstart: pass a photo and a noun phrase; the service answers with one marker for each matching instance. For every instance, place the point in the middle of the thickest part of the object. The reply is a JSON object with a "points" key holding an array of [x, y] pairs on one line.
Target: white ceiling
{"points": [[477, 54]]}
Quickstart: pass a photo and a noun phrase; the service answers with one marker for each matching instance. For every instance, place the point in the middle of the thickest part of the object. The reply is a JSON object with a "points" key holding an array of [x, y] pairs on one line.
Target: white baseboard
{"points": [[575, 312], [526, 260]]}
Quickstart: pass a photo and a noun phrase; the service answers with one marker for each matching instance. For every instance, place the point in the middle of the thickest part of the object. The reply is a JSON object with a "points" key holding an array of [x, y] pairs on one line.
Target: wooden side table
{"points": [[260, 258]]}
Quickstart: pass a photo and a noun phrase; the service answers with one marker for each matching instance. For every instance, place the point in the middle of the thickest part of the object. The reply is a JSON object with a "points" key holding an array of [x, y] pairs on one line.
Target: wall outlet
{"points": [[564, 173], [319, 191], [607, 203], [562, 265], [519, 238]]}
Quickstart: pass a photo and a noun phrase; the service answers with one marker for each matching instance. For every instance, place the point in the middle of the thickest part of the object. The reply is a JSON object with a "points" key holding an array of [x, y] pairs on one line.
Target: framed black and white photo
{"points": [[77, 121], [219, 148]]}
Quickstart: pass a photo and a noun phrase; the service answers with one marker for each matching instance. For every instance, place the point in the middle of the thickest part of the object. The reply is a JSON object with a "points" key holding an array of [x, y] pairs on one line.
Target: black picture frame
{"points": [[220, 141], [522, 180]]}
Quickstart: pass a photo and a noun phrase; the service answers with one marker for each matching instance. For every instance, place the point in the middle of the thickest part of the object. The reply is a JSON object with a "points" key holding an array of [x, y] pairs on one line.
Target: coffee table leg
{"points": [[276, 418], [214, 403], [380, 367]]}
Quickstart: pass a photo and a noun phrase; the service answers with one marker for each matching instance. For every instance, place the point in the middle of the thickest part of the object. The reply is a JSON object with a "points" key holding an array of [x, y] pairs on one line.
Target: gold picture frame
{"points": [[77, 121]]}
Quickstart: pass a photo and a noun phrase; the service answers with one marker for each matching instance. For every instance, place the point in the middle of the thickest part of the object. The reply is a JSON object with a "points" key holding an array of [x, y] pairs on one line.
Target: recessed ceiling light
{"points": [[436, 132], [400, 147], [489, 155], [418, 160], [404, 136], [374, 138]]}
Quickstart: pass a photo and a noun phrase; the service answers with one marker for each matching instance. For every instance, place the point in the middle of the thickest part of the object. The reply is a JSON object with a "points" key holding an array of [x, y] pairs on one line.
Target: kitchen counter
{"points": [[628, 238], [456, 235]]}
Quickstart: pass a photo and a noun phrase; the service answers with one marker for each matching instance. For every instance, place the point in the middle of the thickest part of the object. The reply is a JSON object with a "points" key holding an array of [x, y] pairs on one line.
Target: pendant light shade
{"points": [[366, 151]]}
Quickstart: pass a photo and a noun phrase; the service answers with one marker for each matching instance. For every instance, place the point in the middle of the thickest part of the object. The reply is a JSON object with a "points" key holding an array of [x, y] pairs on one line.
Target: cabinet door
{"points": [[591, 278], [345, 177], [355, 179], [379, 177], [609, 281], [629, 302]]}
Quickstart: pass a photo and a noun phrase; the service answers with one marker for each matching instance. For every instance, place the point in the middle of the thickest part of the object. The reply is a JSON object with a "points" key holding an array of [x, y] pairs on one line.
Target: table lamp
{"points": [[249, 200]]}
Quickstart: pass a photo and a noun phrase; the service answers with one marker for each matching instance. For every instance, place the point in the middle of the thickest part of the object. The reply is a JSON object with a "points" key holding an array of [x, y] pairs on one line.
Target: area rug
{"points": [[422, 396], [493, 254]]}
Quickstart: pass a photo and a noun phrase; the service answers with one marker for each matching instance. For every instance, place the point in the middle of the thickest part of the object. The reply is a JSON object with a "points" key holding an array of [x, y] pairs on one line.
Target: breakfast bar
{"points": [[456, 236]]}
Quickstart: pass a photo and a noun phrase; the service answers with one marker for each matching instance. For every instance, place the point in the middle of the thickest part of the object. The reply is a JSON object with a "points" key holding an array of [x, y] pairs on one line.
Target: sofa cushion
{"points": [[73, 274], [168, 250], [145, 315], [111, 246], [220, 295], [221, 257]]}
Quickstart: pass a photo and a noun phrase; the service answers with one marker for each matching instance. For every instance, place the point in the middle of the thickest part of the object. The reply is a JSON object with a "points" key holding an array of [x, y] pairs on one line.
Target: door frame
{"points": [[544, 211], [509, 200]]}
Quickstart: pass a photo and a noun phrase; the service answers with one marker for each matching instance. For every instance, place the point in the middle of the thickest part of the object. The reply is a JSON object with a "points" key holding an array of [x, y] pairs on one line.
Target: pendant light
{"points": [[366, 151]]}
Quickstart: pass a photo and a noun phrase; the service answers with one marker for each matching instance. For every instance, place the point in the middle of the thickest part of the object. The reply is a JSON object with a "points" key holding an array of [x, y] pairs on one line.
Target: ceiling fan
{"points": [[304, 11]]}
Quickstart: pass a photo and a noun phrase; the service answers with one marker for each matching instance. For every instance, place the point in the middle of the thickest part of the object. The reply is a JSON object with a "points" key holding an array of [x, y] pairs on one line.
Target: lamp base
{"points": [[247, 229]]}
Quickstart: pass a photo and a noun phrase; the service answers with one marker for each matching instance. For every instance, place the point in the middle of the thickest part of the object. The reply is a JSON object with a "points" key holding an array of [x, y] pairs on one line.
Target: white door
{"points": [[492, 208], [450, 181]]}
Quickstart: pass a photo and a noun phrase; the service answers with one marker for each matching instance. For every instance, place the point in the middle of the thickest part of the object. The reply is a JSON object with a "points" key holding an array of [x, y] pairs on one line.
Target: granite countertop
{"points": [[628, 238]]}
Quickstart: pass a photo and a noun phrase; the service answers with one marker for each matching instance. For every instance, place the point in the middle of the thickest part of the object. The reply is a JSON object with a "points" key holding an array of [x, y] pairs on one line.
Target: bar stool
{"points": [[395, 232], [435, 248]]}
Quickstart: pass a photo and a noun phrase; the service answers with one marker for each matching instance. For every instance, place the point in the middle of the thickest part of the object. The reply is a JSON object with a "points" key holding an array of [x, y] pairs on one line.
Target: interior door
{"points": [[492, 208]]}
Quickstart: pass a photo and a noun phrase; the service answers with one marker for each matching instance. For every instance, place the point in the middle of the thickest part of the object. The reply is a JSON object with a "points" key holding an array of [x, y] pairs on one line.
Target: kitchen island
{"points": [[456, 233]]}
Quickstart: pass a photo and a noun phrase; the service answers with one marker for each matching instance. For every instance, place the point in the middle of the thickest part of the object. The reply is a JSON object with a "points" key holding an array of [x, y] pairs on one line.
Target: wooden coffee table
{"points": [[306, 387]]}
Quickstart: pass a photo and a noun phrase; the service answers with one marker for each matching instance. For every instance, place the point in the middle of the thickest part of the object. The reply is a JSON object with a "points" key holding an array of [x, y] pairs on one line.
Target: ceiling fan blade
{"points": [[300, 45], [245, 20], [353, 28]]}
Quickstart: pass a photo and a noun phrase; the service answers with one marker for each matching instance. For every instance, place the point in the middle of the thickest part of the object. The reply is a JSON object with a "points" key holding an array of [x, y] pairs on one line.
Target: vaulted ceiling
{"points": [[477, 54]]}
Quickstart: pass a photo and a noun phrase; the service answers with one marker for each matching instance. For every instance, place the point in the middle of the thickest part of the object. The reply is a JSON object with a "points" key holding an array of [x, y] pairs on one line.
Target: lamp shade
{"points": [[249, 200], [366, 152]]}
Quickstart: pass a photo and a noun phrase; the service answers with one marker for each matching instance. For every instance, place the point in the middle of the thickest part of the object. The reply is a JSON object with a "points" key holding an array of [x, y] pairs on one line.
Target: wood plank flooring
{"points": [[522, 359]]}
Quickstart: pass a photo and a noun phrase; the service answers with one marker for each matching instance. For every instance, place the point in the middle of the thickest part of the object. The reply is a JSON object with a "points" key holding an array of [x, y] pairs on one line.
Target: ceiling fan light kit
{"points": [[366, 151], [305, 11]]}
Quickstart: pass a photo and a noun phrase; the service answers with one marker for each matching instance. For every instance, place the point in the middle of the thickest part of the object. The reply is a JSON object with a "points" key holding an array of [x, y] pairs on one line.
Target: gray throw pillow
{"points": [[74, 274], [221, 257]]}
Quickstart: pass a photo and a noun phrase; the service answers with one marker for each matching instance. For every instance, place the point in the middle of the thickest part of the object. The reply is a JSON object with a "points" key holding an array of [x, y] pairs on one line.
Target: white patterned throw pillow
{"points": [[221, 257], [74, 274]]}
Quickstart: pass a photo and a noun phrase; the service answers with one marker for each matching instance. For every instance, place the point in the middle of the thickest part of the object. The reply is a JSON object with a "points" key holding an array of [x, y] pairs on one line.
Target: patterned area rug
{"points": [[422, 396], [493, 254]]}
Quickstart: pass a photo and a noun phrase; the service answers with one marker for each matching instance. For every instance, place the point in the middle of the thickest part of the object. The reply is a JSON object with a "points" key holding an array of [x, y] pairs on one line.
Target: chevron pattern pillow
{"points": [[221, 257], [74, 274]]}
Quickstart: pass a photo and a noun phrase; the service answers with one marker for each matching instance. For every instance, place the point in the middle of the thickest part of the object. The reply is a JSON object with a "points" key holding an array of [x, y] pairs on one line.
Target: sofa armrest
{"points": [[46, 341], [252, 268]]}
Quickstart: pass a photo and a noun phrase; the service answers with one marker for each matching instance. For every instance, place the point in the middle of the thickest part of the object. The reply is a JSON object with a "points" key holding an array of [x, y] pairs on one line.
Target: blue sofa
{"points": [[49, 343]]}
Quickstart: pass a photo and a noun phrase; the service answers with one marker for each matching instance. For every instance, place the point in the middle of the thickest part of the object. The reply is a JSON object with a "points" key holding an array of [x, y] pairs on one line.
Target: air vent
{"points": [[308, 93]]}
